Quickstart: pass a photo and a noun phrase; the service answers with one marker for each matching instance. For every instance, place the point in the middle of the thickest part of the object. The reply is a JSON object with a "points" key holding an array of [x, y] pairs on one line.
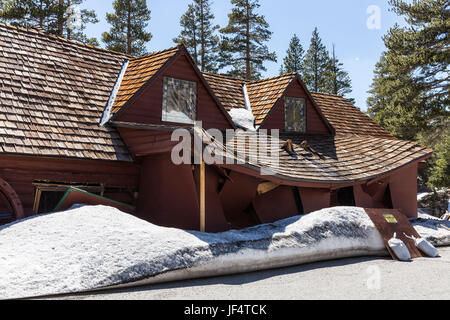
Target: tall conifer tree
{"points": [[410, 90], [316, 65], [340, 82], [293, 62], [242, 45], [128, 24], [58, 17], [198, 35]]}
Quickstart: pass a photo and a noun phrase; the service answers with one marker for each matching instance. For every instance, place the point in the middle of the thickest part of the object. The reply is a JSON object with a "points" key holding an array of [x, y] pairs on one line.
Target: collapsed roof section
{"points": [[53, 93], [327, 160]]}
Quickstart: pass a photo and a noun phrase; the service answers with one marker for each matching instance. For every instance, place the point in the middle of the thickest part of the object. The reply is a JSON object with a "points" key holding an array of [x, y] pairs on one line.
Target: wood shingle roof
{"points": [[346, 118], [140, 71], [263, 94], [52, 94], [333, 159]]}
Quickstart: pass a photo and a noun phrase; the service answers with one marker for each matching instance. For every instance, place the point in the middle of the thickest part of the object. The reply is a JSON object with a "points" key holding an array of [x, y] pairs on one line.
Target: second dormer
{"points": [[281, 102]]}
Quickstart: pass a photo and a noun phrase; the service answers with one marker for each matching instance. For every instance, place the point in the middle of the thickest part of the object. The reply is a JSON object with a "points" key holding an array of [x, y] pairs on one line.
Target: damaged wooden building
{"points": [[75, 116]]}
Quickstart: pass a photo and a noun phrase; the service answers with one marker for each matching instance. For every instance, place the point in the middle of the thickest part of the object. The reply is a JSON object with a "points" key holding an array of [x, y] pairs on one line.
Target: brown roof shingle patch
{"points": [[227, 89], [52, 94], [346, 118], [265, 93], [338, 159], [139, 71]]}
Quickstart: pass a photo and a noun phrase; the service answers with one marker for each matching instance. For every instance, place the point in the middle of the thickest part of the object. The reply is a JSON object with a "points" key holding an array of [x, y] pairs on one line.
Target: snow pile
{"points": [[243, 118], [435, 230], [95, 246], [434, 203]]}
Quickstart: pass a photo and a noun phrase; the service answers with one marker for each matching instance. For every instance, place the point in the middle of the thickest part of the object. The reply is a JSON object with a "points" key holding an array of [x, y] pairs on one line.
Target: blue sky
{"points": [[342, 22]]}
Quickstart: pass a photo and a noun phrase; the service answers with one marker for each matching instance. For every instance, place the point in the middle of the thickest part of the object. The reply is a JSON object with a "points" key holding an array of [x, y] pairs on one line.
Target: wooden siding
{"points": [[146, 142], [147, 107], [168, 195], [314, 122]]}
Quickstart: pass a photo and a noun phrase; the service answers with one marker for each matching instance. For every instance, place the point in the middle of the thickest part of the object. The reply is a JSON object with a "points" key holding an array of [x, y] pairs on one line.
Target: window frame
{"points": [[163, 111], [304, 115], [40, 187]]}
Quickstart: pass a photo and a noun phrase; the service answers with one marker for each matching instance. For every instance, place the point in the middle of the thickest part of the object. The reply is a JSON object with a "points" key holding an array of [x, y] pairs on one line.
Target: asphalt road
{"points": [[355, 278]]}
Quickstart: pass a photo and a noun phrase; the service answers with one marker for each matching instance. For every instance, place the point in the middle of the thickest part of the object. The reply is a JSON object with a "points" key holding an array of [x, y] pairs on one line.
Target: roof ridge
{"points": [[148, 55], [327, 94], [224, 76], [274, 77], [37, 30]]}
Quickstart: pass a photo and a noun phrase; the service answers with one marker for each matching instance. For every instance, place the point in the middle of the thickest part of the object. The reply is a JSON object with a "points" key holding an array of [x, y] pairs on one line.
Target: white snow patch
{"points": [[433, 229], [176, 116], [243, 118], [421, 195], [93, 247]]}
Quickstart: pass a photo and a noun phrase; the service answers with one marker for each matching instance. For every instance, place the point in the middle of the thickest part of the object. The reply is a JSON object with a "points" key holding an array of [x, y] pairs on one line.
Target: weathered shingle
{"points": [[227, 89], [338, 159], [346, 118], [139, 71], [52, 94], [265, 93]]}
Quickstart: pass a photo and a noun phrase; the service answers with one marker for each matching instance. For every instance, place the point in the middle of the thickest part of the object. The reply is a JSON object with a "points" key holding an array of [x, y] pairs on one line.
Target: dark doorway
{"points": [[346, 197]]}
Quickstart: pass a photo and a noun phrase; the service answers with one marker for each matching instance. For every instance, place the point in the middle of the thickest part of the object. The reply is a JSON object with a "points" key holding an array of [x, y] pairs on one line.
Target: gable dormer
{"points": [[164, 89], [294, 110]]}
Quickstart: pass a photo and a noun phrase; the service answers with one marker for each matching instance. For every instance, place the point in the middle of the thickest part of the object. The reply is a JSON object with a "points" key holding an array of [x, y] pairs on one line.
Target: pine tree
{"points": [[189, 35], [56, 17], [128, 23], [340, 82], [316, 65], [410, 91], [29, 13], [293, 62], [198, 35], [242, 46]]}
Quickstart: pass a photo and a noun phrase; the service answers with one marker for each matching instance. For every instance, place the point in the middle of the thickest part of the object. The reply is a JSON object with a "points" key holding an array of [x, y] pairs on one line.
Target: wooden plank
{"points": [[266, 187], [78, 196], [202, 197], [390, 221]]}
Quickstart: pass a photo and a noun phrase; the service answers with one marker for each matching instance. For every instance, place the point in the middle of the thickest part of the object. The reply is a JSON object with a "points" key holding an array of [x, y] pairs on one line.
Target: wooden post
{"points": [[202, 196]]}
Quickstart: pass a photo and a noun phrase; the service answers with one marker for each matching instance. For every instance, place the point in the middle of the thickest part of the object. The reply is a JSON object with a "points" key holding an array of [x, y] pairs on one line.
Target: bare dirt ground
{"points": [[353, 278]]}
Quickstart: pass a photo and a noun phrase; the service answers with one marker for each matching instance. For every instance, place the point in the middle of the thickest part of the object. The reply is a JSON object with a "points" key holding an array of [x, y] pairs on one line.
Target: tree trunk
{"points": [[202, 33], [60, 18], [316, 73], [248, 74], [334, 75], [129, 40]]}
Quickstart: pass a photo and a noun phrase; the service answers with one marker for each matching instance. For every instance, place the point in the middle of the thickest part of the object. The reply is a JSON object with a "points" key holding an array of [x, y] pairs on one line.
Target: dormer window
{"points": [[295, 114], [179, 100]]}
